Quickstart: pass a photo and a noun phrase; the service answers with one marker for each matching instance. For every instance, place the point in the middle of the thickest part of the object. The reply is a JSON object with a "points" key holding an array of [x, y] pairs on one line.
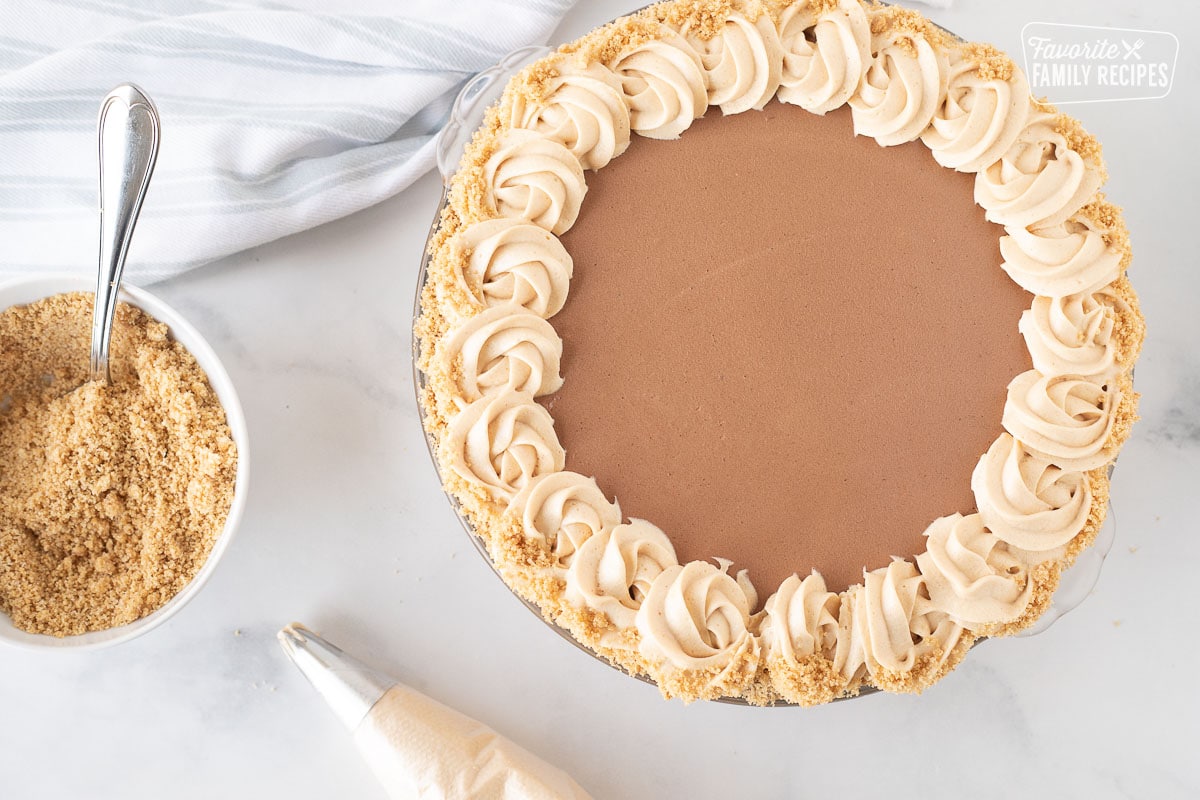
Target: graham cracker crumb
{"points": [[822, 7], [607, 44], [905, 26], [111, 496], [809, 681], [819, 8], [1109, 219], [705, 18], [1045, 581], [468, 189], [1129, 332], [991, 64], [732, 680], [1078, 139], [1126, 413], [533, 84]]}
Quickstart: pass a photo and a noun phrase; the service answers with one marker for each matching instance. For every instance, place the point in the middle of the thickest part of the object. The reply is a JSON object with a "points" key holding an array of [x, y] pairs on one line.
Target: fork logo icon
{"points": [[1132, 49]]}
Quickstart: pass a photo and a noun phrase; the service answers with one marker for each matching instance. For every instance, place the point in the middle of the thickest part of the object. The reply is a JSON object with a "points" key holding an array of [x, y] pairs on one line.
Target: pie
{"points": [[779, 349]]}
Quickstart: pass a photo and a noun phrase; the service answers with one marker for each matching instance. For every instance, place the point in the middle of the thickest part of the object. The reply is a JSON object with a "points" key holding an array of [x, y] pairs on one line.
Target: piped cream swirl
{"points": [[1028, 502], [1064, 259], [561, 511], [800, 620], [742, 64], [503, 346], [888, 624], [501, 442], [583, 109], [509, 261], [980, 118], [664, 85], [613, 569], [1041, 181], [824, 54], [1073, 335], [901, 89], [1065, 419], [536, 179], [695, 617], [971, 575]]}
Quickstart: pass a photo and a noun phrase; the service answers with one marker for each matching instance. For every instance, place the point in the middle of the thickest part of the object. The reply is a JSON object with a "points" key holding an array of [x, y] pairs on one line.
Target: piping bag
{"points": [[417, 747]]}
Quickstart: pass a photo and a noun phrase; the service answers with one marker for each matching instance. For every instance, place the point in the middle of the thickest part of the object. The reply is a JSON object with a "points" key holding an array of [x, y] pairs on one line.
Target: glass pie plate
{"points": [[466, 116]]}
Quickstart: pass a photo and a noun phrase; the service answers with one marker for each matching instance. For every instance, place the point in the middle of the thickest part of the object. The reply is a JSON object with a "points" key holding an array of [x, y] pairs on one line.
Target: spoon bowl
{"points": [[128, 131]]}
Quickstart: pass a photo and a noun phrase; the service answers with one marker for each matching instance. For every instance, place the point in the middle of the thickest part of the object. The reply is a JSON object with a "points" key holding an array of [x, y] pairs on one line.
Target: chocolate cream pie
{"points": [[822, 380]]}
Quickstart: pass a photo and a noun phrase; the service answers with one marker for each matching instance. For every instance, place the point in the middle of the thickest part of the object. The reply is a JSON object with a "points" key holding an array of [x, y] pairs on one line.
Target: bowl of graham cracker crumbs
{"points": [[116, 501]]}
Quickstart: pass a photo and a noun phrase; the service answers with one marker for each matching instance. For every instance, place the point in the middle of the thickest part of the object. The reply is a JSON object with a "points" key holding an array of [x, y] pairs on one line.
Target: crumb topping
{"points": [[606, 45], [991, 64], [1077, 138], [112, 495], [705, 19], [1129, 332], [1111, 223], [905, 26]]}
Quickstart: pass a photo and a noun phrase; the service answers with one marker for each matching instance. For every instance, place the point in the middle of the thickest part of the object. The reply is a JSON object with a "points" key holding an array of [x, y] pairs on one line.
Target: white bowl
{"points": [[26, 290]]}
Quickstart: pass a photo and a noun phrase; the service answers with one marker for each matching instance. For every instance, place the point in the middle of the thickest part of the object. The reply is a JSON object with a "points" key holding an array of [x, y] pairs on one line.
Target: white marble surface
{"points": [[347, 530]]}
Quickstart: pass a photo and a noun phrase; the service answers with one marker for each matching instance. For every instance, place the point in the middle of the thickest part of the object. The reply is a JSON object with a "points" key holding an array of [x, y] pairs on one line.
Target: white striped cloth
{"points": [[275, 118]]}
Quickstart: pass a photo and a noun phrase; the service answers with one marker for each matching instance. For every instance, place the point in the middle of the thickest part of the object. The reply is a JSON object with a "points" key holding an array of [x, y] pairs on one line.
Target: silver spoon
{"points": [[128, 131]]}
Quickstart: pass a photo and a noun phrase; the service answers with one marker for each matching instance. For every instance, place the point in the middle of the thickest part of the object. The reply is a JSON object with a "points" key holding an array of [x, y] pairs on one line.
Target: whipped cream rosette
{"points": [[984, 110], [970, 573], [889, 628], [1074, 335], [613, 570], [1072, 257], [504, 346], [1050, 173], [664, 84], [695, 627], [906, 81], [561, 511], [534, 178], [1066, 419], [498, 275], [799, 631], [821, 74], [742, 59], [581, 108], [1028, 502], [499, 261], [501, 442]]}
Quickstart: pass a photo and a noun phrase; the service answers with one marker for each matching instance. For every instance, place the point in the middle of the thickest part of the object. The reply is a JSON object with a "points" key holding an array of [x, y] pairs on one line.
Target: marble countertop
{"points": [[346, 529]]}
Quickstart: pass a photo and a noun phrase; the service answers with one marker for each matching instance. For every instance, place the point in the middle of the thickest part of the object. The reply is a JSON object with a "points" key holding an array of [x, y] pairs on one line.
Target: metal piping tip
{"points": [[350, 687]]}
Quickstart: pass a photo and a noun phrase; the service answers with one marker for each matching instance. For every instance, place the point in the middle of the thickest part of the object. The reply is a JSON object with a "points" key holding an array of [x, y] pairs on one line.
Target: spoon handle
{"points": [[128, 131]]}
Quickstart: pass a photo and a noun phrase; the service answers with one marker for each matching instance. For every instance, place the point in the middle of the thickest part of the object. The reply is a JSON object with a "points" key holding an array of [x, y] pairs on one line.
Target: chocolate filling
{"points": [[784, 344]]}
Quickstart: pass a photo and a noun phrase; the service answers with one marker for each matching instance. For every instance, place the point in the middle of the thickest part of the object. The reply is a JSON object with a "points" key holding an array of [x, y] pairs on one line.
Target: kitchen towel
{"points": [[275, 118]]}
